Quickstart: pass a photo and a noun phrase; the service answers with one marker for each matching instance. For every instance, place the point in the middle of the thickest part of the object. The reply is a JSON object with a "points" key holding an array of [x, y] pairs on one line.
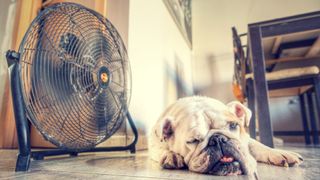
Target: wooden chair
{"points": [[307, 77]]}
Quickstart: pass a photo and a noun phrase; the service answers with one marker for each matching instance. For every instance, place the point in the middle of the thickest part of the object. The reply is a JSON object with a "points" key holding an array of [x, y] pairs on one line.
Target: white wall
{"points": [[154, 40]]}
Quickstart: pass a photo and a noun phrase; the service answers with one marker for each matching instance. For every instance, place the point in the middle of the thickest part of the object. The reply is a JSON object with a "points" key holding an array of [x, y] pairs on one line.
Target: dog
{"points": [[206, 136]]}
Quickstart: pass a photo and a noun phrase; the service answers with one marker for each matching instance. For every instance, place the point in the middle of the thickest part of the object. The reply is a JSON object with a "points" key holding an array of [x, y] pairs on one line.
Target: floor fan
{"points": [[71, 78]]}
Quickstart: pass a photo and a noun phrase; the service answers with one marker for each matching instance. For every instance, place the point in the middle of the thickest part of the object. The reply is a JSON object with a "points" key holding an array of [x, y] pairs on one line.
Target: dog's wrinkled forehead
{"points": [[219, 120]]}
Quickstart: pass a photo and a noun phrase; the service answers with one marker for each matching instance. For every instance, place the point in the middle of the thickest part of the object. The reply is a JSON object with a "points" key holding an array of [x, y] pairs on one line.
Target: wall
{"points": [[7, 16], [213, 56], [154, 43], [16, 22], [118, 14]]}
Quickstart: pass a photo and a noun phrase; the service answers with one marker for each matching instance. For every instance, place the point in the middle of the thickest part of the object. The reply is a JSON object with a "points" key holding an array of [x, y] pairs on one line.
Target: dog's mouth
{"points": [[226, 166], [226, 160]]}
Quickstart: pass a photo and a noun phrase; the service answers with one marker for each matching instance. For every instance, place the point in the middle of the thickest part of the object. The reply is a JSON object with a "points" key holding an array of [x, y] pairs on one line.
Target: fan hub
{"points": [[104, 77]]}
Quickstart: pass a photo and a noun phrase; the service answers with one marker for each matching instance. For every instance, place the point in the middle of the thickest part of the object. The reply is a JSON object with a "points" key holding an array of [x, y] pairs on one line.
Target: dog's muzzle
{"points": [[225, 156]]}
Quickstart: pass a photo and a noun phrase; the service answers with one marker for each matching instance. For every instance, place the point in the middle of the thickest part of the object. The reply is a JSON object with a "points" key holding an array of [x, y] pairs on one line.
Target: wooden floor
{"points": [[122, 165]]}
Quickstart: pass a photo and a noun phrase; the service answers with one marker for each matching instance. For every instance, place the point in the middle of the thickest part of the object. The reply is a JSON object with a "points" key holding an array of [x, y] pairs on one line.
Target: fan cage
{"points": [[62, 56]]}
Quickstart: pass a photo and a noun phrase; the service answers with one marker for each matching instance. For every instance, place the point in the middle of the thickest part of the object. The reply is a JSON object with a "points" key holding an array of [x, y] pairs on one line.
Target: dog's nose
{"points": [[216, 139]]}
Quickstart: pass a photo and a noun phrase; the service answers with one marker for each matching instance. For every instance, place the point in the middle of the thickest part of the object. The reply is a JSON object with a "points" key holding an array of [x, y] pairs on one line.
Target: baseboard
{"points": [[291, 133]]}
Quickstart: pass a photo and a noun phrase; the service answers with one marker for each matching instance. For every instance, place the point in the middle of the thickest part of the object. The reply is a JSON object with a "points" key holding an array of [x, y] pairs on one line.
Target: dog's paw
{"points": [[251, 166], [284, 158], [171, 160]]}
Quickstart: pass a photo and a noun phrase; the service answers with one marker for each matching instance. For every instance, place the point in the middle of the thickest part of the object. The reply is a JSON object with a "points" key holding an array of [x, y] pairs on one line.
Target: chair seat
{"points": [[289, 73]]}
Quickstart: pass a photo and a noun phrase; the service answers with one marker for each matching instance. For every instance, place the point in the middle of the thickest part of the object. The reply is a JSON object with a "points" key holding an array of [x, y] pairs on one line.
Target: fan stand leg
{"points": [[135, 132], [22, 126], [133, 150], [23, 163]]}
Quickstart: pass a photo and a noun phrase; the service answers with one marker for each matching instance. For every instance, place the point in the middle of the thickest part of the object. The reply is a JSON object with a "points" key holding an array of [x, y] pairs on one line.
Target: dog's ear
{"points": [[166, 128], [241, 112]]}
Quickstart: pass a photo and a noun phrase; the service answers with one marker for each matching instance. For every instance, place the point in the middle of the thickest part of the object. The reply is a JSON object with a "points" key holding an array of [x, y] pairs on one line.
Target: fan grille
{"points": [[75, 76]]}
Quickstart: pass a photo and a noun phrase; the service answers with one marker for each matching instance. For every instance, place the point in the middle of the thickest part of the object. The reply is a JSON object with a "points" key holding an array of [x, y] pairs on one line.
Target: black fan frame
{"points": [[22, 124]]}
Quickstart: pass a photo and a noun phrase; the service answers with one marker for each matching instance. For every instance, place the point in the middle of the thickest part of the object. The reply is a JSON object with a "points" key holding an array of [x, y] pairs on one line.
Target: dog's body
{"points": [[207, 136]]}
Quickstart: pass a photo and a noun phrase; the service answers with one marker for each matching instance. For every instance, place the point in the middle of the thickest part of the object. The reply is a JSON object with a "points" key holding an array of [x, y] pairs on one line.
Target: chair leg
{"points": [[304, 117], [251, 105], [313, 124]]}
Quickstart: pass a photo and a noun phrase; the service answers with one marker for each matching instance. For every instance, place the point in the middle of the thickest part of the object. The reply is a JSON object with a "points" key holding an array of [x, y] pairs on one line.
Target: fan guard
{"points": [[75, 76]]}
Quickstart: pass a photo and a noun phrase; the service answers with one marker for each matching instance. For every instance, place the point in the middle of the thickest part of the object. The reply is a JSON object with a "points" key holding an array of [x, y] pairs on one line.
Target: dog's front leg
{"points": [[272, 156], [171, 160], [166, 158], [159, 151]]}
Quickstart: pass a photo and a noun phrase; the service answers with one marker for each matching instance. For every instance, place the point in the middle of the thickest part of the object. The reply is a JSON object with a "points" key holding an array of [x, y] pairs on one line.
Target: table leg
{"points": [[260, 86]]}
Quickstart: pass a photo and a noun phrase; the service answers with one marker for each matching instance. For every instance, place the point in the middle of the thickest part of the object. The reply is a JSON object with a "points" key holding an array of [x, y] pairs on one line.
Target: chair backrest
{"points": [[240, 63]]}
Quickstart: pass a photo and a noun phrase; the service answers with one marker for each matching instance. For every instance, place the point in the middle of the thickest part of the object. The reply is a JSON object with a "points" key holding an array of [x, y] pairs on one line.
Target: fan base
{"points": [[23, 162]]}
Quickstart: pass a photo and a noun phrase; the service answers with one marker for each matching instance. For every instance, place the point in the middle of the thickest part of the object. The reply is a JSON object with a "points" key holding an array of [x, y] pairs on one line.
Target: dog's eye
{"points": [[193, 141], [233, 126]]}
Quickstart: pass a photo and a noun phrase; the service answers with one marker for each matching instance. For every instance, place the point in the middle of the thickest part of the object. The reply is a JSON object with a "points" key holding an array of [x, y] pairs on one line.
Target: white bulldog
{"points": [[207, 136]]}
